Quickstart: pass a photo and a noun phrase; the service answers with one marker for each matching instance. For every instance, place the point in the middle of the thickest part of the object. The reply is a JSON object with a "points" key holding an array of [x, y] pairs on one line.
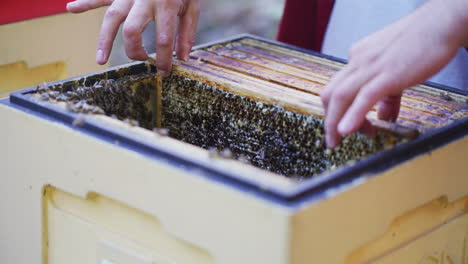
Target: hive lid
{"points": [[288, 77]]}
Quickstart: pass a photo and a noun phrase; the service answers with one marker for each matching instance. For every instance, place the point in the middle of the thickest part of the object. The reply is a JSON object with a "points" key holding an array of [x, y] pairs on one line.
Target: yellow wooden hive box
{"points": [[237, 172]]}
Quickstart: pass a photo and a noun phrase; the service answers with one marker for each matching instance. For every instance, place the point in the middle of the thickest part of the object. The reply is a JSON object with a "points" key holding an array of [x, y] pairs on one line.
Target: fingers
{"points": [[367, 97], [337, 98], [338, 104], [132, 30], [187, 29], [137, 14], [114, 16], [389, 108], [80, 6], [397, 57], [367, 129], [349, 105], [166, 28], [326, 92]]}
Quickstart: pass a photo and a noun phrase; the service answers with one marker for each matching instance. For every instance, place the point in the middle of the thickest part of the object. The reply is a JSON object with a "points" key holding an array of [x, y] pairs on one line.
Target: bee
{"points": [[134, 122], [70, 106], [318, 143], [61, 98], [226, 153], [446, 96], [45, 97], [78, 122], [243, 159], [213, 153], [98, 111], [42, 87], [164, 132]]}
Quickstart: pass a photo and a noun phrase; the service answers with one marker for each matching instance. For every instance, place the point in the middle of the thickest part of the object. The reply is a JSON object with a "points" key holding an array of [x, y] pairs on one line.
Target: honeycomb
{"points": [[264, 135]]}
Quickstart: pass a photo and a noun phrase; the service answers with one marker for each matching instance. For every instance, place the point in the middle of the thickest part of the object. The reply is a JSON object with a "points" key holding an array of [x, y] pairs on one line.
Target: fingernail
{"points": [[100, 57], [71, 4], [343, 128]]}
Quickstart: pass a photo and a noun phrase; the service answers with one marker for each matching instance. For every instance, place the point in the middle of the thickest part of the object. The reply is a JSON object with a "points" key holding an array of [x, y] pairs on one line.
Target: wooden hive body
{"points": [[93, 181], [257, 102]]}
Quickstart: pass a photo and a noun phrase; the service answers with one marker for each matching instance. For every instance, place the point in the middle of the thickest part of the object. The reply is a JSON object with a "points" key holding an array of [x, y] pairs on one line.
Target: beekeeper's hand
{"points": [[385, 63], [176, 22]]}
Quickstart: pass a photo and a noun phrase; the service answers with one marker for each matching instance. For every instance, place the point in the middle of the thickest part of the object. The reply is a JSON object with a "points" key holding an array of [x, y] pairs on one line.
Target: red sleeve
{"points": [[19, 10], [304, 23]]}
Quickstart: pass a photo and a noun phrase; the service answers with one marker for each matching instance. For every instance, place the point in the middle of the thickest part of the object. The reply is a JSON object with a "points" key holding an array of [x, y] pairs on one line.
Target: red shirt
{"points": [[19, 10], [304, 23]]}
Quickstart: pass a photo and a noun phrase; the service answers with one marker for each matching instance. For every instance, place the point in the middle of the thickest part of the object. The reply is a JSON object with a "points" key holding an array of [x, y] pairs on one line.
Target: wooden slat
{"points": [[261, 73], [372, 117], [422, 118], [436, 93], [324, 70], [434, 100], [426, 107], [290, 52], [270, 64], [409, 124]]}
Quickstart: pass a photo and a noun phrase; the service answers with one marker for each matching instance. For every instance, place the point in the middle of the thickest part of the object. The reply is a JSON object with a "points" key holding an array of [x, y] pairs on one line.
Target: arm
{"points": [[385, 63], [135, 15]]}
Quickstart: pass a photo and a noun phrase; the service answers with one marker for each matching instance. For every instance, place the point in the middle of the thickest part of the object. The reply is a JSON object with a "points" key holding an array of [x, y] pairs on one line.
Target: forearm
{"points": [[461, 10], [453, 19]]}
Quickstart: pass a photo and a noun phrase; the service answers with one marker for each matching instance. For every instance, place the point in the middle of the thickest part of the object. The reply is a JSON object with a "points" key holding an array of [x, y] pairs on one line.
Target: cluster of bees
{"points": [[263, 135], [125, 99], [226, 124]]}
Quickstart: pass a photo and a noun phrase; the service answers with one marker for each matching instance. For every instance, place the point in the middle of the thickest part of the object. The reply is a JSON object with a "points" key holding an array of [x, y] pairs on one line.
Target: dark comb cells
{"points": [[260, 134]]}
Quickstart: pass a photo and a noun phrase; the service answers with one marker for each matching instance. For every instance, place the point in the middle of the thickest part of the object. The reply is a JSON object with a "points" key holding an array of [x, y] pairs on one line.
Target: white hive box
{"points": [[81, 188]]}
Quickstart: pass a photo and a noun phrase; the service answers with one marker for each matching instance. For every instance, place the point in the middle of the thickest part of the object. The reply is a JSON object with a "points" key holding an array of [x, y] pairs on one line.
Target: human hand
{"points": [[382, 65], [176, 22]]}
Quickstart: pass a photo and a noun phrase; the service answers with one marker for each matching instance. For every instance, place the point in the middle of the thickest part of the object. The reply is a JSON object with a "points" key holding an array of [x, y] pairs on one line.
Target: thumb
{"points": [[389, 107]]}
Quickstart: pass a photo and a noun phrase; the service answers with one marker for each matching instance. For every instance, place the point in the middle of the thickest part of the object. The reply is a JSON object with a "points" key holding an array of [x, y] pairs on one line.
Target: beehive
{"points": [[251, 99], [251, 112]]}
